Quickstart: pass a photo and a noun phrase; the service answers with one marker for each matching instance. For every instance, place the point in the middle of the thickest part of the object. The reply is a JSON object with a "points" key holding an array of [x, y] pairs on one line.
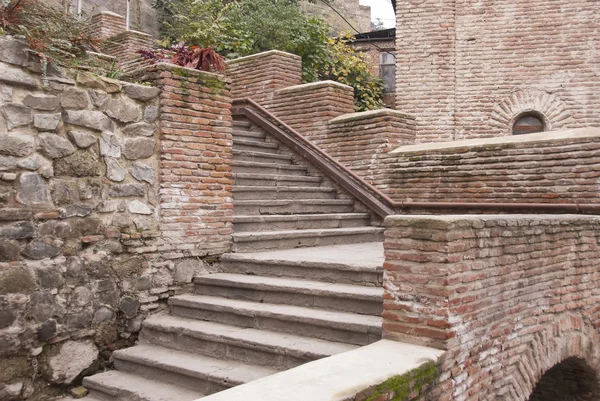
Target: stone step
{"points": [[268, 193], [240, 166], [256, 241], [285, 291], [300, 221], [248, 134], [299, 206], [276, 180], [259, 347], [261, 157], [184, 369], [241, 123], [122, 386], [267, 147], [273, 264], [350, 328]]}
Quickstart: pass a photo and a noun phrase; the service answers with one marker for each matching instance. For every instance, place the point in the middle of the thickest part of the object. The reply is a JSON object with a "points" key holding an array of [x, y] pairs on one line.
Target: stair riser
{"points": [[342, 304], [201, 384], [300, 328], [254, 148], [311, 273], [253, 210], [287, 243], [274, 182], [249, 135], [262, 159], [268, 170], [101, 396], [299, 225], [245, 353], [282, 195]]}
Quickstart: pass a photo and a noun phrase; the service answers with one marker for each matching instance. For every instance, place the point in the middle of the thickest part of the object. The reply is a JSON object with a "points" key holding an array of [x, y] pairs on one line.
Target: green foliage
{"points": [[237, 28], [400, 387]]}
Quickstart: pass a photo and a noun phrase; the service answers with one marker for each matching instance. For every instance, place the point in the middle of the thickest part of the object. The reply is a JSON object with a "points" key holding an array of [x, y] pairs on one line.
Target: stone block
{"points": [[137, 207], [126, 190], [114, 171], [16, 145], [12, 51], [54, 146], [95, 120], [83, 163], [64, 362], [41, 102], [82, 139], [46, 122], [110, 145], [141, 92], [16, 76], [138, 148], [124, 110], [97, 82], [16, 115], [38, 249], [33, 190], [140, 129], [74, 98], [142, 172]]}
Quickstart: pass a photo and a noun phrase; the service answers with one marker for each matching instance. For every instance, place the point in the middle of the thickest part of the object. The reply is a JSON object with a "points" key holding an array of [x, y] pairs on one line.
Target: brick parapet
{"points": [[358, 140], [258, 76], [125, 46], [508, 297], [308, 108], [196, 152], [106, 24], [554, 167]]}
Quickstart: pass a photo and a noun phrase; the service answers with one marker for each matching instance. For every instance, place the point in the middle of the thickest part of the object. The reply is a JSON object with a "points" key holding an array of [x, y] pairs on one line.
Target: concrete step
{"points": [[285, 291], [248, 134], [299, 206], [267, 193], [350, 328], [256, 241], [258, 347], [277, 265], [184, 369], [122, 386], [261, 157], [240, 123], [276, 180], [243, 144], [300, 221], [240, 166]]}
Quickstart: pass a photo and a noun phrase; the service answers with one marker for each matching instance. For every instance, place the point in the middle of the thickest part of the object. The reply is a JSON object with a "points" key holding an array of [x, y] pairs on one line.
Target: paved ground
{"points": [[365, 255]]}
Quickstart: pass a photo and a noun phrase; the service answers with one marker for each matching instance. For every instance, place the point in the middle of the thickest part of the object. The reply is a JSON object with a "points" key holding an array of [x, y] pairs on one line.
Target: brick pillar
{"points": [[259, 75], [308, 108], [358, 139], [106, 24], [196, 205], [125, 45]]}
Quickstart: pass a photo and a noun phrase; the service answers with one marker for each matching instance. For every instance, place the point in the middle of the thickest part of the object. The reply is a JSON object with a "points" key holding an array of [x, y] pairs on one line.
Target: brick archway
{"points": [[550, 352], [572, 379]]}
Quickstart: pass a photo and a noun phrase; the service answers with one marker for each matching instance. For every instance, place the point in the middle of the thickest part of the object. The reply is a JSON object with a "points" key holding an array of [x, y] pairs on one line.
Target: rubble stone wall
{"points": [[113, 196], [508, 297]]}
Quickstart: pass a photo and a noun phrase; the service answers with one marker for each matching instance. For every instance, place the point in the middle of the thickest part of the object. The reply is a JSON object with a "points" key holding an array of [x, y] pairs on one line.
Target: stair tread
{"points": [[321, 317], [243, 163], [283, 202], [278, 342], [281, 177], [272, 188], [145, 389], [261, 154], [194, 365], [321, 232], [298, 217], [255, 144], [292, 285]]}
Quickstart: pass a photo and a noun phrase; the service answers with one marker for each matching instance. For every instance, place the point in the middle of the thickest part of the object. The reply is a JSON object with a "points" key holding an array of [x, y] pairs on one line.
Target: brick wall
{"points": [[509, 297], [106, 24], [555, 167], [97, 229], [125, 45], [259, 75], [358, 140], [492, 61]]}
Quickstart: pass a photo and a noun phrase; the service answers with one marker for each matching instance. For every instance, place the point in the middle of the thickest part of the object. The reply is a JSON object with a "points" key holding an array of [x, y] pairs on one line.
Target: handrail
{"points": [[345, 178], [372, 197]]}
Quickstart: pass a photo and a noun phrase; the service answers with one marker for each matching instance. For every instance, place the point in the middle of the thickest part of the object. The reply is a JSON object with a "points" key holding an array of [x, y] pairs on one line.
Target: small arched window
{"points": [[528, 124]]}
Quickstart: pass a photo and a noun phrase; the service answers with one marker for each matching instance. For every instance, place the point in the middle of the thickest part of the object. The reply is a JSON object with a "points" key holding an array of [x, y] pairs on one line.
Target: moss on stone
{"points": [[399, 387]]}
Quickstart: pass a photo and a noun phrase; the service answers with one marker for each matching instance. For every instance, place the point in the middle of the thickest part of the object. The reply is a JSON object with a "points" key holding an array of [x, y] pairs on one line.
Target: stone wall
{"points": [[508, 297], [112, 197], [468, 69], [552, 167]]}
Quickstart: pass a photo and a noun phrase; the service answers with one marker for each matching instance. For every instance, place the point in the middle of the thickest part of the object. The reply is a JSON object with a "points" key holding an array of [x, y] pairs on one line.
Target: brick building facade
{"points": [[472, 69]]}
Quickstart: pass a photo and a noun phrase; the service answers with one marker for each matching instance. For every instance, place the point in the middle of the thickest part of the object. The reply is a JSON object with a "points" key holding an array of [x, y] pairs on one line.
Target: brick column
{"points": [[196, 205], [259, 75], [106, 24], [125, 45], [308, 108]]}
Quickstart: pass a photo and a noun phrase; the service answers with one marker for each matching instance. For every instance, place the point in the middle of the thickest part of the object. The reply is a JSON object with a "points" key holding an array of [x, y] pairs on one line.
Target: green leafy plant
{"points": [[195, 57], [54, 35]]}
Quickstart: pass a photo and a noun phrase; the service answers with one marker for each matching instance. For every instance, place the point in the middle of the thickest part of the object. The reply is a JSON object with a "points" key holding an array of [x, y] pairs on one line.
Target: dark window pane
{"points": [[528, 125]]}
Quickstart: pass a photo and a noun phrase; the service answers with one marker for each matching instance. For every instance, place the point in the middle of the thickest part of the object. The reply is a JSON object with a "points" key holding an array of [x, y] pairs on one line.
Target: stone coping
{"points": [[337, 378], [177, 70], [578, 133], [475, 220], [110, 13], [264, 54], [130, 32], [363, 115], [313, 86]]}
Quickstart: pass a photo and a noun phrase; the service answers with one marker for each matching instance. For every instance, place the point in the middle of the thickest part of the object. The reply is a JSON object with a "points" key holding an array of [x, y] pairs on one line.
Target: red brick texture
{"points": [[557, 167], [196, 205], [106, 24], [508, 297], [469, 68], [259, 75], [125, 45]]}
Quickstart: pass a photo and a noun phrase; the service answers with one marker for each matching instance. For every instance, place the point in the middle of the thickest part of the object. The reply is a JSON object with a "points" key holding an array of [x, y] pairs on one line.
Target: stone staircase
{"points": [[275, 304]]}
